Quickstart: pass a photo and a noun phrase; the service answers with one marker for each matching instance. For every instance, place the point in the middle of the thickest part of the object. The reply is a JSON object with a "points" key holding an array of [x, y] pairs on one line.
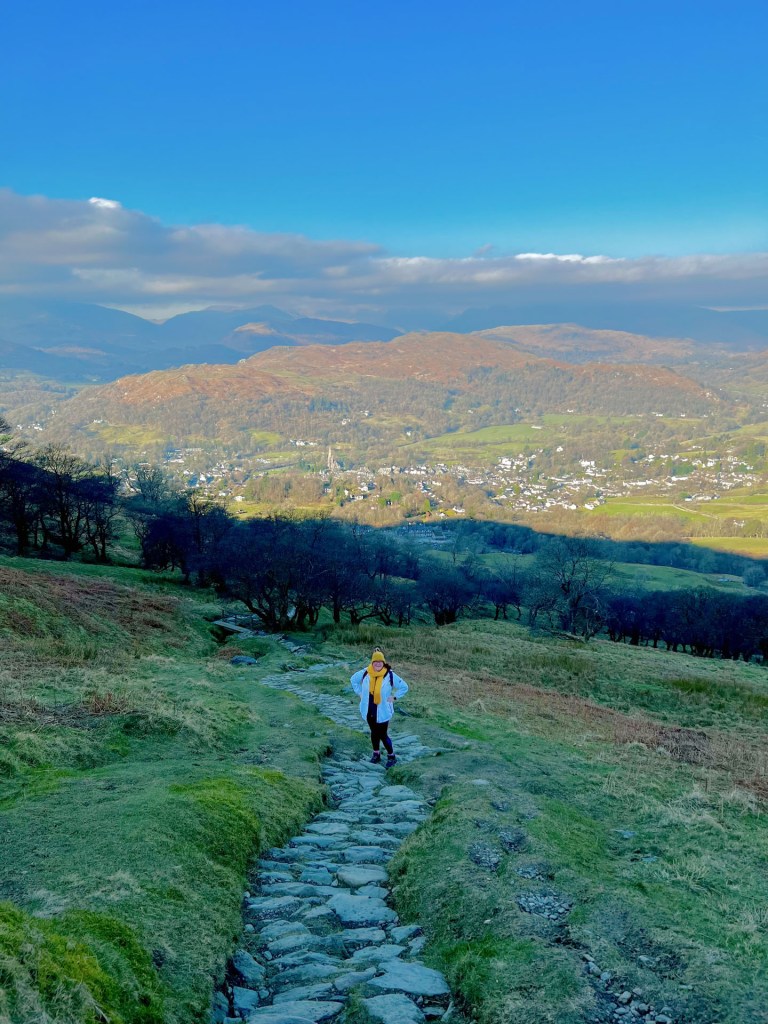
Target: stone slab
{"points": [[354, 876], [413, 978], [364, 855], [360, 910], [297, 1011], [395, 1007]]}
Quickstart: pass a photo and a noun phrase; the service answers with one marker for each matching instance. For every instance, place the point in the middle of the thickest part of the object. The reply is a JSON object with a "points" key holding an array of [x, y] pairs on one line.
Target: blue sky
{"points": [[629, 128]]}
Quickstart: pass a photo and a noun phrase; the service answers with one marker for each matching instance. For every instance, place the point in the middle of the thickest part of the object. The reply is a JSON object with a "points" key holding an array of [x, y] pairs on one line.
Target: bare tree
{"points": [[576, 582], [152, 482]]}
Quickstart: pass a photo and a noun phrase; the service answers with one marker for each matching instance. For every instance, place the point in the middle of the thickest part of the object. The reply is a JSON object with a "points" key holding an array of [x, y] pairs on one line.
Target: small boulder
{"points": [[249, 969]]}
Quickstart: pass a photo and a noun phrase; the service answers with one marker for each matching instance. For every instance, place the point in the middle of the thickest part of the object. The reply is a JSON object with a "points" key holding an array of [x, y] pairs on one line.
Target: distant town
{"points": [[521, 483]]}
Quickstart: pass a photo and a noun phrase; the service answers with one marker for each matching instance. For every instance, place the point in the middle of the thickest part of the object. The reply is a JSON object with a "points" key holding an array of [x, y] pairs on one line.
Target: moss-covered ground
{"points": [[139, 774]]}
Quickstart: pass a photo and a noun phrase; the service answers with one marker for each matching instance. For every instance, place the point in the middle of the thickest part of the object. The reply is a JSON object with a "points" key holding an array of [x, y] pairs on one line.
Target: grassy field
{"points": [[129, 436], [752, 547], [490, 443], [741, 507], [744, 505], [139, 773], [630, 783], [629, 574]]}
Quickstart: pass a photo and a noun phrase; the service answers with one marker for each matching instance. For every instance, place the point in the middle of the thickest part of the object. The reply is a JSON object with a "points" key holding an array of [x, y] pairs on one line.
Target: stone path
{"points": [[318, 921]]}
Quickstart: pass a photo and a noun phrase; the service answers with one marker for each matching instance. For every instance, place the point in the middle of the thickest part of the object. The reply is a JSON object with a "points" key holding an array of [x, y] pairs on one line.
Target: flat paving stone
{"points": [[244, 999], [289, 943], [303, 992], [376, 954], [279, 929], [276, 876], [328, 828], [376, 891], [347, 981], [295, 889], [297, 1011], [272, 906], [304, 975], [317, 913], [252, 972], [321, 842], [395, 1007], [396, 793], [353, 938], [354, 876], [361, 910], [413, 978], [319, 876], [364, 855], [296, 959]]}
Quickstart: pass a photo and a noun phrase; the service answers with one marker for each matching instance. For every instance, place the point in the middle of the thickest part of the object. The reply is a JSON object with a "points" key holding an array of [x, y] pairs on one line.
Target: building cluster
{"points": [[533, 481]]}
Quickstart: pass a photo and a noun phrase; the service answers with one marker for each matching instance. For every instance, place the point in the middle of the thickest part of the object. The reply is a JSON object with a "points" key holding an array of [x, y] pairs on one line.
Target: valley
{"points": [[436, 425]]}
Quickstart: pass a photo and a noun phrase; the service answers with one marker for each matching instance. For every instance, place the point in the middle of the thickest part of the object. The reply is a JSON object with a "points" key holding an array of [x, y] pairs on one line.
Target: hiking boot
{"points": [[375, 757], [390, 761]]}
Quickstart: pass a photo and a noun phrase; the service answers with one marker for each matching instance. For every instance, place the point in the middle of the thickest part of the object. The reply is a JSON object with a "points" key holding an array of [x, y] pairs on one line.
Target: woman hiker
{"points": [[378, 688]]}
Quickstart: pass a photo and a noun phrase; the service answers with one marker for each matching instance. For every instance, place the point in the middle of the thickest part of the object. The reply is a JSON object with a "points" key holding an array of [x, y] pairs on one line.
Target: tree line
{"points": [[54, 504], [285, 570]]}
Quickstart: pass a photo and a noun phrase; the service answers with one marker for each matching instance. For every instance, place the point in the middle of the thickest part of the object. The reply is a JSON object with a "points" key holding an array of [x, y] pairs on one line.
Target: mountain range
{"points": [[86, 342], [77, 341]]}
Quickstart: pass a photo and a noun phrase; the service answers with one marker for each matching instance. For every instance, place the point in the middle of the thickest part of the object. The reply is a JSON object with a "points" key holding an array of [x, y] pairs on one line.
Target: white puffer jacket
{"points": [[392, 686]]}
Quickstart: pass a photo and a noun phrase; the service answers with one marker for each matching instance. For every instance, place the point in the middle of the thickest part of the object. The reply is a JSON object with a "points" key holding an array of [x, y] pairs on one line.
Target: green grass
{"points": [[752, 547], [84, 966], [490, 443], [127, 435], [649, 506], [574, 745], [140, 774], [718, 513], [265, 438], [634, 574]]}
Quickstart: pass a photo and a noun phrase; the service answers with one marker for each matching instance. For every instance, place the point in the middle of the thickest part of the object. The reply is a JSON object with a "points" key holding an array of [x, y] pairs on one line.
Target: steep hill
{"points": [[128, 813]]}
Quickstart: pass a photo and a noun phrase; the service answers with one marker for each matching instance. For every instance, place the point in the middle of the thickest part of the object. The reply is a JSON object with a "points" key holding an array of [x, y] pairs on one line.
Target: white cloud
{"points": [[105, 204], [97, 250]]}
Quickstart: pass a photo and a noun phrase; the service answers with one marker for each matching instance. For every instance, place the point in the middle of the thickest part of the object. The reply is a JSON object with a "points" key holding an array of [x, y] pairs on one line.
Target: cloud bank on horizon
{"points": [[98, 251]]}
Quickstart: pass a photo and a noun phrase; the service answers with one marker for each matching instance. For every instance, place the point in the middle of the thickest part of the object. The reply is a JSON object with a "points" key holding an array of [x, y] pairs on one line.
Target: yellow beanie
{"points": [[378, 655]]}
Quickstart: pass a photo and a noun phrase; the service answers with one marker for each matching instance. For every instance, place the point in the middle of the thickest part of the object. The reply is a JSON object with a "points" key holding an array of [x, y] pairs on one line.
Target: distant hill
{"points": [[80, 341], [576, 344], [369, 395], [731, 330], [72, 341]]}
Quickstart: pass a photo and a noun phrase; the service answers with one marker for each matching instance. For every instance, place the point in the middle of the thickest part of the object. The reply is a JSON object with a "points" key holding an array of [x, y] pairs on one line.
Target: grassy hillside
{"points": [[139, 772], [630, 784]]}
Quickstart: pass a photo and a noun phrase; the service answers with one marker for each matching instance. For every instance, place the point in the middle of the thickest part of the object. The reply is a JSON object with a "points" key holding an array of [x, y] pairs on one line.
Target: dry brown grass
{"points": [[68, 621], [32, 713], [744, 759], [108, 703]]}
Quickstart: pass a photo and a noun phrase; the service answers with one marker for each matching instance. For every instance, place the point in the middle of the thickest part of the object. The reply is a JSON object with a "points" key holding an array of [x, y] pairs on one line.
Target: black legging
{"points": [[378, 729]]}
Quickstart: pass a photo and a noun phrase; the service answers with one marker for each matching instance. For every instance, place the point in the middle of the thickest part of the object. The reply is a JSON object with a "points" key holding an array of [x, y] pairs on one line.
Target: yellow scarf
{"points": [[375, 679]]}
